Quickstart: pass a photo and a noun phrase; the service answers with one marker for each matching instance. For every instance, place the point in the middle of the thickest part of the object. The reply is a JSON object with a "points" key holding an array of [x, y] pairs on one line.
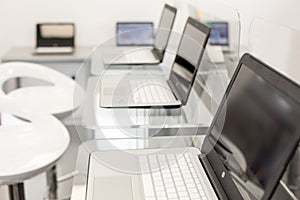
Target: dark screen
{"points": [[187, 60], [257, 134]]}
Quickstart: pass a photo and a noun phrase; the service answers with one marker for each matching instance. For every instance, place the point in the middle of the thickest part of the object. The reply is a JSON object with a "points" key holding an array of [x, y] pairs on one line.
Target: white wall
{"points": [[95, 19]]}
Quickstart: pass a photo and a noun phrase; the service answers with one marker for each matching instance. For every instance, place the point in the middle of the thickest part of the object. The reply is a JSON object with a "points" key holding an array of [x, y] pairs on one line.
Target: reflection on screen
{"points": [[55, 34], [219, 33], [260, 123], [135, 34], [56, 31], [187, 60], [164, 29]]}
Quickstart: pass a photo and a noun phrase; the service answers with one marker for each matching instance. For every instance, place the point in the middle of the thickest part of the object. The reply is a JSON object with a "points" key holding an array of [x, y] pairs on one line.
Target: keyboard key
{"points": [[183, 194], [195, 196], [172, 195], [147, 183]]}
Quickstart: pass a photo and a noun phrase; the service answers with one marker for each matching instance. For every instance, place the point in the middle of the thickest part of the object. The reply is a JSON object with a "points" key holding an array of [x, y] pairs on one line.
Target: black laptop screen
{"points": [[187, 60], [259, 131]]}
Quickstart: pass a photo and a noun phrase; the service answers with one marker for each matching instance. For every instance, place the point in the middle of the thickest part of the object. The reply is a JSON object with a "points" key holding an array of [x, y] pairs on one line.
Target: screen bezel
{"points": [[227, 29], [282, 83], [133, 23], [68, 42], [204, 29]]}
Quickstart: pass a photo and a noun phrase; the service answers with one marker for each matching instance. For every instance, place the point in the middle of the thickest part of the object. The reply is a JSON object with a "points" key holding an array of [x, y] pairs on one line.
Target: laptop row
{"points": [[145, 92], [245, 152]]}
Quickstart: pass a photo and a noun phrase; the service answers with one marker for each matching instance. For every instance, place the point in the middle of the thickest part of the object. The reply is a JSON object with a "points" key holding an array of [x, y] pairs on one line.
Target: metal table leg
{"points": [[52, 183], [16, 191]]}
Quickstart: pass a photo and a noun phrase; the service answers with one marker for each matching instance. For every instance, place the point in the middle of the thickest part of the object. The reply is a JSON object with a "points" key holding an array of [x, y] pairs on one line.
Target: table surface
{"points": [[27, 54]]}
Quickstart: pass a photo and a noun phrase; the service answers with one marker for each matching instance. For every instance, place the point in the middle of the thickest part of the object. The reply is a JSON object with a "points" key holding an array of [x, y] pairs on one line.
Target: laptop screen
{"points": [[188, 57], [55, 35], [219, 33], [164, 29], [259, 129], [134, 33]]}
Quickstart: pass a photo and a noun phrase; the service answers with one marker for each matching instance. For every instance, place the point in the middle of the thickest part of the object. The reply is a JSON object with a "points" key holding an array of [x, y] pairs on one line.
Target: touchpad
{"points": [[113, 188]]}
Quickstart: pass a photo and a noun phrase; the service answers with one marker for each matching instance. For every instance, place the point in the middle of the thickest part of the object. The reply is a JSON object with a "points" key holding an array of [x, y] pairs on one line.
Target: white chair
{"points": [[59, 97], [62, 95], [30, 149]]}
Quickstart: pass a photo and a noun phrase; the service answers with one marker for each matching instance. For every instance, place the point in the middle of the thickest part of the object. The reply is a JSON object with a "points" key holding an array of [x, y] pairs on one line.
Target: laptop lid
{"points": [[219, 34], [164, 30], [55, 35], [188, 58], [255, 132], [135, 34]]}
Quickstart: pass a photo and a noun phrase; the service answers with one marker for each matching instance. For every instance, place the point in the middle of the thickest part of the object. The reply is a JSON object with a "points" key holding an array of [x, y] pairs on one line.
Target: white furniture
{"points": [[27, 150], [60, 96], [68, 64]]}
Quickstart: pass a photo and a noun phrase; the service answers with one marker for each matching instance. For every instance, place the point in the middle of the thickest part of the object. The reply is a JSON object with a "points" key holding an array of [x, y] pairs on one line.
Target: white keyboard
{"points": [[172, 176], [141, 56], [54, 50], [150, 91]]}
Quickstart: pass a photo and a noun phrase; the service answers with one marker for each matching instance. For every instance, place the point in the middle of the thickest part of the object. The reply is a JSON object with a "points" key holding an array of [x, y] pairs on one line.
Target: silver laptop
{"points": [[152, 55], [55, 38], [143, 92], [246, 150]]}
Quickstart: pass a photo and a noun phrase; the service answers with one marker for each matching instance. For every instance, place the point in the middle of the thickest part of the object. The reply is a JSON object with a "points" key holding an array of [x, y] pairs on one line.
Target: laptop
{"points": [[144, 92], [55, 38], [218, 41], [135, 34], [247, 148], [153, 55], [219, 35]]}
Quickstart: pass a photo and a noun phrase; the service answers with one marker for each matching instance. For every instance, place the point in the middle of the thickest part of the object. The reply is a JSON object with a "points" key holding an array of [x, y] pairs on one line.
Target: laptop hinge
{"points": [[213, 178], [157, 54], [174, 90]]}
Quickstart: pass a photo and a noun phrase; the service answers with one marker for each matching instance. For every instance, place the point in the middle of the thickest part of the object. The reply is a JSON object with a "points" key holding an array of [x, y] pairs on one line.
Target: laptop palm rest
{"points": [[113, 188]]}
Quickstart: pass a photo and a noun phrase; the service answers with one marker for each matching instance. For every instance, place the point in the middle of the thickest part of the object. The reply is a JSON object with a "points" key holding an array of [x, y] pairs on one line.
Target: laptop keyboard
{"points": [[150, 91], [172, 176], [54, 49], [141, 56]]}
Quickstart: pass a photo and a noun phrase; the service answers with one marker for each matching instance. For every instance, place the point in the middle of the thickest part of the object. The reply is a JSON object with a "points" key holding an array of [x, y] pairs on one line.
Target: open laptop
{"points": [[153, 55], [135, 34], [218, 41], [248, 146], [143, 92], [55, 38]]}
